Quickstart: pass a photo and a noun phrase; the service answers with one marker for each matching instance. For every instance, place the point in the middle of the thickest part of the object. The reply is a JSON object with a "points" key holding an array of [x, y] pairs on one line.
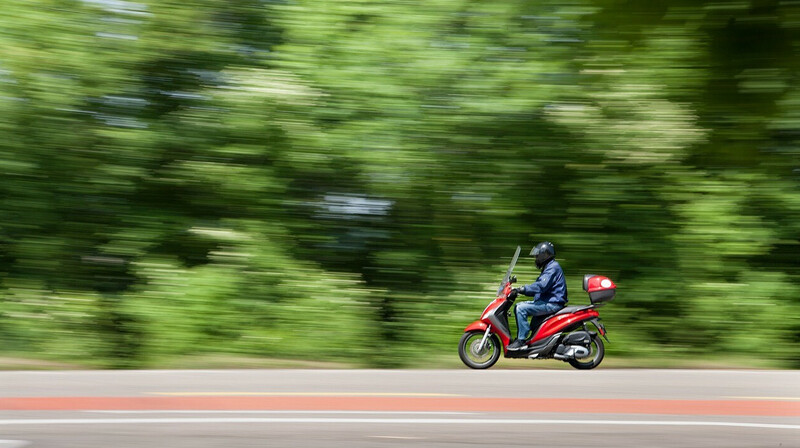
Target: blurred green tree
{"points": [[345, 180]]}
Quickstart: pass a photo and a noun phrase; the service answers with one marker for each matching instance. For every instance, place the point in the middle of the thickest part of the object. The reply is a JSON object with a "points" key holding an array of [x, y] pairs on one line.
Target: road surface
{"points": [[394, 408]]}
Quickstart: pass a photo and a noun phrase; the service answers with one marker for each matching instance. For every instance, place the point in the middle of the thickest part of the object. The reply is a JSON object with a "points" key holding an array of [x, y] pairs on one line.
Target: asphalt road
{"points": [[392, 408]]}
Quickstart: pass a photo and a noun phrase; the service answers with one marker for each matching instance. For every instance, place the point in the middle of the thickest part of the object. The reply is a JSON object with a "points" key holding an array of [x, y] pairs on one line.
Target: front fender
{"points": [[477, 325]]}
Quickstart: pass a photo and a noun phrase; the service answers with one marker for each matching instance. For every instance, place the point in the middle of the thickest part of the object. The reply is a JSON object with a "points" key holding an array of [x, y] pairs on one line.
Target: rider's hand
{"points": [[513, 294]]}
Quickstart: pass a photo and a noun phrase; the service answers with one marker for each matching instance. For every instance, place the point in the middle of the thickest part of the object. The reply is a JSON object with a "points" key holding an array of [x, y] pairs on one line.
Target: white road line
{"points": [[302, 394], [13, 443], [414, 421], [395, 437], [187, 411]]}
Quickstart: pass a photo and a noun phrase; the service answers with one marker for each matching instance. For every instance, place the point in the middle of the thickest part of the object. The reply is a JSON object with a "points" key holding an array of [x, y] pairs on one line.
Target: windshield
{"points": [[508, 272]]}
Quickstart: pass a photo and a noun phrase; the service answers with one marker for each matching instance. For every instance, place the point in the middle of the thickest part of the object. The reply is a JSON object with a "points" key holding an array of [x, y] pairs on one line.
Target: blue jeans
{"points": [[528, 309]]}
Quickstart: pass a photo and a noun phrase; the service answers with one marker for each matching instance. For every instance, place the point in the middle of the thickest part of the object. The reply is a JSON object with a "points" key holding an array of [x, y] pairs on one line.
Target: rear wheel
{"points": [[477, 357], [593, 359]]}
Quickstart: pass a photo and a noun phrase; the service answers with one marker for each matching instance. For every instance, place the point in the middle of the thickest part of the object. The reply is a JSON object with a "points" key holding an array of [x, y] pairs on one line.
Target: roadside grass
{"points": [[14, 363], [449, 361]]}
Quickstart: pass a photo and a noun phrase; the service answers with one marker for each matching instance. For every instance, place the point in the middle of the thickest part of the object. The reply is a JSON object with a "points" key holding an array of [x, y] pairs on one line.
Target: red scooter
{"points": [[564, 335]]}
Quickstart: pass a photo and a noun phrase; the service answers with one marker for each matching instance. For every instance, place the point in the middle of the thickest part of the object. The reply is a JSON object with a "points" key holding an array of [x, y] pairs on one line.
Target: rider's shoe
{"points": [[518, 344]]}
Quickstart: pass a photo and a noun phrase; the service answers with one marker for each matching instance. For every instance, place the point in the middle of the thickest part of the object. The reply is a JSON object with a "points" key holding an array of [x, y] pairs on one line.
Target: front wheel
{"points": [[477, 357], [593, 359]]}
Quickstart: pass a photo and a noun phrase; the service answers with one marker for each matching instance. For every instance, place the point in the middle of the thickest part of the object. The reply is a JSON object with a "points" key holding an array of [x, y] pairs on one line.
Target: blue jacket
{"points": [[550, 286]]}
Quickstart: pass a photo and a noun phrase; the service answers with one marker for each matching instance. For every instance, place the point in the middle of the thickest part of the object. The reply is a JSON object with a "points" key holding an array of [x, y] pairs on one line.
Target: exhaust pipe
{"points": [[580, 351], [571, 352]]}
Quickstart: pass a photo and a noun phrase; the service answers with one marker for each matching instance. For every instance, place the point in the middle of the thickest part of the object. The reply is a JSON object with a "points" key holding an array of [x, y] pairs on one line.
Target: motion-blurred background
{"points": [[346, 181]]}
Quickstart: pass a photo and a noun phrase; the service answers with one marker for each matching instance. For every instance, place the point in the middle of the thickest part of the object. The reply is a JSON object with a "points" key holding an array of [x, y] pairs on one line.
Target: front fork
{"points": [[485, 337]]}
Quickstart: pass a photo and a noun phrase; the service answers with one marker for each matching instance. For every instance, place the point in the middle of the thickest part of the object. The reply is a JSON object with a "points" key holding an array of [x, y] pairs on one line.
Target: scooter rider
{"points": [[549, 292]]}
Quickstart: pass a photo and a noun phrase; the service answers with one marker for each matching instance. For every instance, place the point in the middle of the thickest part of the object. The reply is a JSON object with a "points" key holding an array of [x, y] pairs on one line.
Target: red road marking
{"points": [[355, 403]]}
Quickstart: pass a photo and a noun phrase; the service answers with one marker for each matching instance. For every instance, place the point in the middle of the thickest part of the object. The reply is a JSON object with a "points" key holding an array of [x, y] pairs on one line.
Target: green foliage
{"points": [[345, 180]]}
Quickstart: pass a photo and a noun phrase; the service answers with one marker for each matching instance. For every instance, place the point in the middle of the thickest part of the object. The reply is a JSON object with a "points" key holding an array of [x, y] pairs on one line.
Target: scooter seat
{"points": [[572, 309]]}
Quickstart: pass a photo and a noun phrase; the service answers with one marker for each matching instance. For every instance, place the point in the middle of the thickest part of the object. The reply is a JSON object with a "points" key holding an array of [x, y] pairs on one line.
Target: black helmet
{"points": [[544, 252]]}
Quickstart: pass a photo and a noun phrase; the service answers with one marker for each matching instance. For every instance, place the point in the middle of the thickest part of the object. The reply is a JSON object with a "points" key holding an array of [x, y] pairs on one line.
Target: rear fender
{"points": [[600, 328]]}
